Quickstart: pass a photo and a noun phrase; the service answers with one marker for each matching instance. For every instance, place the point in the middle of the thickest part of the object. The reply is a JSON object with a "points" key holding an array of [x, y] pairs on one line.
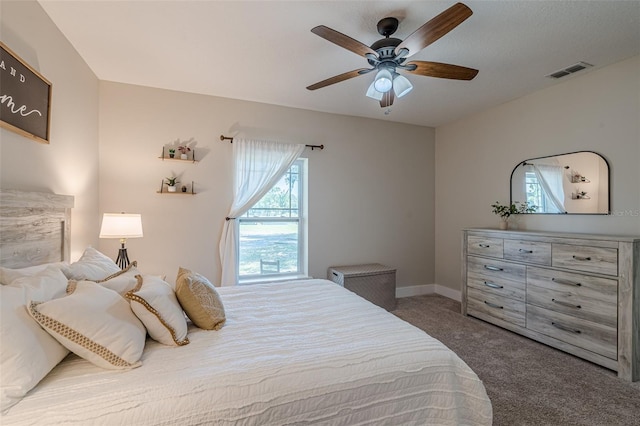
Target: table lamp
{"points": [[123, 226]]}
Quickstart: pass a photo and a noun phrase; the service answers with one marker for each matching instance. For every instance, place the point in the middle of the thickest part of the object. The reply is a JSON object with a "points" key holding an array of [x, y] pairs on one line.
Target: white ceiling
{"points": [[264, 51]]}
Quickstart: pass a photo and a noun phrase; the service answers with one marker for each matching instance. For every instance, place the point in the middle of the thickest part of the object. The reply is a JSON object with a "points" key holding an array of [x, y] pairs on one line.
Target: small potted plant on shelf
{"points": [[506, 211], [172, 153], [171, 183], [183, 151]]}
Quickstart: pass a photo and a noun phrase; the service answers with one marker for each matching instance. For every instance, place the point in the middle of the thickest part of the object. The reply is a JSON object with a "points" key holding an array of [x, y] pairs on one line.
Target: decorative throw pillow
{"points": [[122, 281], [91, 266], [95, 323], [200, 300], [28, 352], [154, 302], [7, 275]]}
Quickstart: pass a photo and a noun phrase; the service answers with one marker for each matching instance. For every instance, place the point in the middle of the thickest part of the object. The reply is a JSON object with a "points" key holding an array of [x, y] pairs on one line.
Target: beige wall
{"points": [[370, 191], [69, 164], [598, 111]]}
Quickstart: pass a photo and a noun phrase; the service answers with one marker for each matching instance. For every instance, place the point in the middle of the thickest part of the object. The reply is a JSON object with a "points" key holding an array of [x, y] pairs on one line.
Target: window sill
{"points": [[274, 280]]}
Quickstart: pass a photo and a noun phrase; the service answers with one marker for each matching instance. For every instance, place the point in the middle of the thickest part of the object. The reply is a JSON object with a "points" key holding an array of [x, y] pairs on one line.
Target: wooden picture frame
{"points": [[25, 97]]}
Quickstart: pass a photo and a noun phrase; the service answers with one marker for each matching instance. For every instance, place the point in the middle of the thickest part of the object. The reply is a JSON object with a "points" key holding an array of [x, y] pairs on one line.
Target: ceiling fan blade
{"points": [[338, 78], [343, 40], [434, 29], [437, 69], [387, 99]]}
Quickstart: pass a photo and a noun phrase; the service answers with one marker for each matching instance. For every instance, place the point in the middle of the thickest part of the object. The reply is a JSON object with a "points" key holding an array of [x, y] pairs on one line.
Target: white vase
{"points": [[171, 188], [504, 224], [183, 156]]}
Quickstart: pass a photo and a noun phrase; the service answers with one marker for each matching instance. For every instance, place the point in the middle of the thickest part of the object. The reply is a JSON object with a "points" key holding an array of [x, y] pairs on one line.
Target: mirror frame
{"points": [[557, 155]]}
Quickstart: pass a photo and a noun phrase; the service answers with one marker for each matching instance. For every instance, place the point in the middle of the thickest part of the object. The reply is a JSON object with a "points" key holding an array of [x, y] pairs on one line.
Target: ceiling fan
{"points": [[388, 56]]}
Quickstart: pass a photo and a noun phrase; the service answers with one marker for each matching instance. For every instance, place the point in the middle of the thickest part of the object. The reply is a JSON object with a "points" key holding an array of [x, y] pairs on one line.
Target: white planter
{"points": [[183, 156], [171, 188]]}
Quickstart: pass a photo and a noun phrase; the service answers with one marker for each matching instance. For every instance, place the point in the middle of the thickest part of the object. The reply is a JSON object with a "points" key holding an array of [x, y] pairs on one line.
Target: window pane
{"points": [[282, 199], [273, 243]]}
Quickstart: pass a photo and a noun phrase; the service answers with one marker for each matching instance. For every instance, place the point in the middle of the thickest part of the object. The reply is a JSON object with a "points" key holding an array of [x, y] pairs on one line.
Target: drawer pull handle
{"points": [[582, 259], [565, 328], [493, 305], [492, 285], [525, 251], [565, 282], [569, 305], [484, 245], [493, 268]]}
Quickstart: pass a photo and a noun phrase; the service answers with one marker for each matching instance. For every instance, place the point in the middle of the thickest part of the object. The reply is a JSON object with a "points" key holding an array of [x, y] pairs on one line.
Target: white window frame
{"points": [[302, 221]]}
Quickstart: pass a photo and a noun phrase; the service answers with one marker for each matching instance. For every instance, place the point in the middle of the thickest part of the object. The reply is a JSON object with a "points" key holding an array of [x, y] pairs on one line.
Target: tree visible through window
{"points": [[534, 192], [271, 232]]}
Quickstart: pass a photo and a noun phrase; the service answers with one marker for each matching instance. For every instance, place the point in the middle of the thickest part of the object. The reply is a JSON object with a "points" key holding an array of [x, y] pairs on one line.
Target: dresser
{"points": [[575, 292]]}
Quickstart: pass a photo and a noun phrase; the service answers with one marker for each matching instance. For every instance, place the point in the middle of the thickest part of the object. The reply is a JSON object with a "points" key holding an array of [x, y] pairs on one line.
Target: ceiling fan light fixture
{"points": [[401, 85], [384, 81], [373, 93]]}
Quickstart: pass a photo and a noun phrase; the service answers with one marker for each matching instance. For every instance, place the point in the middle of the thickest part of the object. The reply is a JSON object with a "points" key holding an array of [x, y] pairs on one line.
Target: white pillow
{"points": [[92, 266], [7, 275], [28, 352], [154, 302], [95, 323], [122, 281]]}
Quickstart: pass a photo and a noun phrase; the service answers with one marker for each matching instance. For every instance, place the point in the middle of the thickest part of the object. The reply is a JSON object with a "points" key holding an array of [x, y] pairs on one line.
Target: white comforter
{"points": [[293, 353]]}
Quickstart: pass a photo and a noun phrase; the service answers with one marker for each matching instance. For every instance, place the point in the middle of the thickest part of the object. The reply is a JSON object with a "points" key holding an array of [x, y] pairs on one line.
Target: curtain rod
{"points": [[228, 138]]}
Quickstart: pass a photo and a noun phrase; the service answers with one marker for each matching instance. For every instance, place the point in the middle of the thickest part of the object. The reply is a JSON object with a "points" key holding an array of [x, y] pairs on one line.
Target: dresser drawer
{"points": [[499, 287], [528, 252], [493, 269], [583, 296], [481, 246], [588, 335], [586, 259], [487, 306]]}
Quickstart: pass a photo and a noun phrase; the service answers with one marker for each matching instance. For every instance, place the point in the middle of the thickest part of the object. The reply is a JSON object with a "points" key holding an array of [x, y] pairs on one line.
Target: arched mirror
{"points": [[573, 183]]}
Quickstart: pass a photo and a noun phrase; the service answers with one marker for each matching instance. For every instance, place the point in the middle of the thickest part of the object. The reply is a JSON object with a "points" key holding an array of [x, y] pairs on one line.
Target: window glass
{"points": [[270, 232]]}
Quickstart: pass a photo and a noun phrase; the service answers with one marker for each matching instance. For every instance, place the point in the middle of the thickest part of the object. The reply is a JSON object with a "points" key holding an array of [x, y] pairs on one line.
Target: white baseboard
{"points": [[419, 290]]}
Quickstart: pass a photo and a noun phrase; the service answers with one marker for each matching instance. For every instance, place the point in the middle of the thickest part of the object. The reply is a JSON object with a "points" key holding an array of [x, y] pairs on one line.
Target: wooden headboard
{"points": [[34, 228]]}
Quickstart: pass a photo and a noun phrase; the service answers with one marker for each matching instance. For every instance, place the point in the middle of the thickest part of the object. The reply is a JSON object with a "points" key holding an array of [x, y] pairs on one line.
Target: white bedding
{"points": [[293, 353]]}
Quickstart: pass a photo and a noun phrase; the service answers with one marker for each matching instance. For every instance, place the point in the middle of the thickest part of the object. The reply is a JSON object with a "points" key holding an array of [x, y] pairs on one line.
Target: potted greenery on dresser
{"points": [[506, 211]]}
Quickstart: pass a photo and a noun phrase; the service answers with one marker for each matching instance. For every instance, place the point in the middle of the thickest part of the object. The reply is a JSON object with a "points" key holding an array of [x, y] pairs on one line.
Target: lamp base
{"points": [[123, 259]]}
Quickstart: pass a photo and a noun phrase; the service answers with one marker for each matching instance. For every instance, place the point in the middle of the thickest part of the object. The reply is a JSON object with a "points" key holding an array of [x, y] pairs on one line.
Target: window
{"points": [[272, 239], [534, 192]]}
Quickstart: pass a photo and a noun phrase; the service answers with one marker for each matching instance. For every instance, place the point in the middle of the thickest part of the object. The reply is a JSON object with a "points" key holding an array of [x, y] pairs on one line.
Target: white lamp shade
{"points": [[121, 225], [401, 85], [383, 82], [373, 93]]}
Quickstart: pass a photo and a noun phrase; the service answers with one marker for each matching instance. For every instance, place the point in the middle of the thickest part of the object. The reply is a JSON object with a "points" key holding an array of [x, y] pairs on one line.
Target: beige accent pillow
{"points": [[91, 266], [154, 302], [200, 300], [95, 323], [28, 352]]}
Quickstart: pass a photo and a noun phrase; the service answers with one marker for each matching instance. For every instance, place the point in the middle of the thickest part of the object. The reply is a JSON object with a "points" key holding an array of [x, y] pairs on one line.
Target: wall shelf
{"points": [[163, 190], [165, 156], [579, 179], [580, 196]]}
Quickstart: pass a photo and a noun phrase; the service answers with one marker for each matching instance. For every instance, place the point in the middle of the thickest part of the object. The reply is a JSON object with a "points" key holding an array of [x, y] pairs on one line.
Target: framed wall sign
{"points": [[25, 97]]}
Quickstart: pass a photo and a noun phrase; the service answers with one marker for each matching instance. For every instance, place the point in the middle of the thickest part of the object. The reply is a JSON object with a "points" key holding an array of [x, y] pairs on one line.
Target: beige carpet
{"points": [[528, 383]]}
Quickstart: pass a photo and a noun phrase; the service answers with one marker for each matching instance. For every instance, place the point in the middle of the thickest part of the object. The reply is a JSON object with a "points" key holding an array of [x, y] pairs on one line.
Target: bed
{"points": [[301, 352]]}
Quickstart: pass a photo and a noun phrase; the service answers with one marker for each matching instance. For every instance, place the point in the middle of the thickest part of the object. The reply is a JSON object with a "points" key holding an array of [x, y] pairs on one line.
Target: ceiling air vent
{"points": [[570, 70]]}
